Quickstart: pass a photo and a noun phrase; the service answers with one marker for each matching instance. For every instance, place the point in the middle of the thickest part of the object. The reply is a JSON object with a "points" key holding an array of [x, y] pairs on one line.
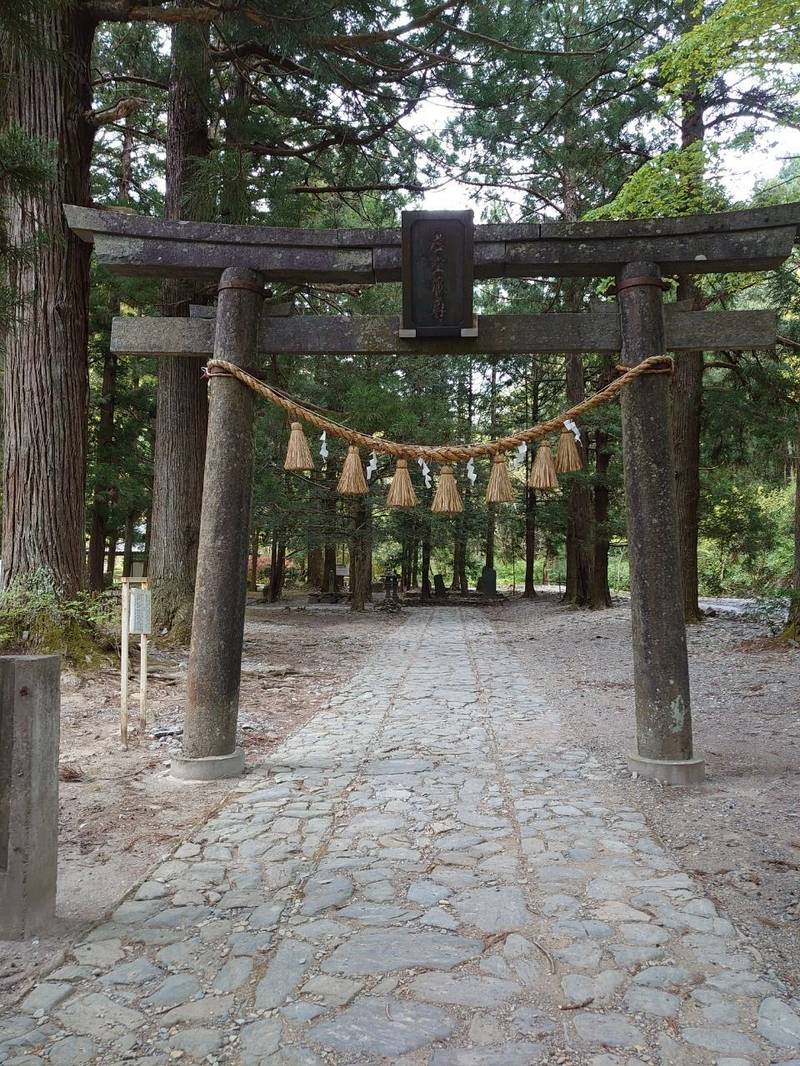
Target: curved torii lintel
{"points": [[731, 241]]}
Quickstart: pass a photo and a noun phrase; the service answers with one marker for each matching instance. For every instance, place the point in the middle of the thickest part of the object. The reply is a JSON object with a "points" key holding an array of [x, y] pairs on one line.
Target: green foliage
{"points": [[35, 618], [749, 36], [680, 181]]}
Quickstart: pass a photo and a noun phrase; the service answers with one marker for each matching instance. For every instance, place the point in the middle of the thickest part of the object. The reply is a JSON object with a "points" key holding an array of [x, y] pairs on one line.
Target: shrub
{"points": [[36, 618]]}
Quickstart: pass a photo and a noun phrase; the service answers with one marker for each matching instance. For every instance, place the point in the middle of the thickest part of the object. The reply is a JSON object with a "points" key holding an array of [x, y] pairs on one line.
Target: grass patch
{"points": [[35, 618]]}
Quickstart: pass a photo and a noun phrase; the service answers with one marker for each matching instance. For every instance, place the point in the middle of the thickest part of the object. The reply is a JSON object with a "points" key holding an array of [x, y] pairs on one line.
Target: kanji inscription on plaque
{"points": [[437, 274]]}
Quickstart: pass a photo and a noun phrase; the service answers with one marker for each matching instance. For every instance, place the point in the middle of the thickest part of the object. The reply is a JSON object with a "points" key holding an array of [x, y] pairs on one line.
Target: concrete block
{"points": [[669, 771], [30, 708], [209, 767]]}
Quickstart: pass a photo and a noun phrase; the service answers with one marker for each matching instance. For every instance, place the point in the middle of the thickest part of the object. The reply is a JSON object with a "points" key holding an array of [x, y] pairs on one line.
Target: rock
{"points": [[376, 913], [778, 1023], [73, 1051], [464, 991], [578, 989], [135, 972], [381, 952], [324, 892], [383, 1027], [233, 974], [265, 916], [439, 918], [197, 1042], [662, 977], [96, 1015], [428, 893], [335, 991], [531, 1022], [301, 1011], [289, 963], [187, 851], [519, 1054], [493, 910], [259, 1039], [177, 989], [720, 1041], [608, 1030], [204, 1010], [100, 953], [641, 999], [151, 890], [46, 996]]}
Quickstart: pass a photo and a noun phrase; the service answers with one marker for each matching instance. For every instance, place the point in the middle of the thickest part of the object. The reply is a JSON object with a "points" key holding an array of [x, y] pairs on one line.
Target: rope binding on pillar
{"points": [[544, 469]]}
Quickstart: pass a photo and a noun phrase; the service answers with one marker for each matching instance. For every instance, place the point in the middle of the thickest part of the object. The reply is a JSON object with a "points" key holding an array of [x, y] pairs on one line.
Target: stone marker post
{"points": [[215, 657], [30, 708], [660, 666]]}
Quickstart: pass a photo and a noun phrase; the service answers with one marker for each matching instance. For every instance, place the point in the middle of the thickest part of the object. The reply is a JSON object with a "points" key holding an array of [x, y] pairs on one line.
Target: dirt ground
{"points": [[122, 812], [740, 832]]}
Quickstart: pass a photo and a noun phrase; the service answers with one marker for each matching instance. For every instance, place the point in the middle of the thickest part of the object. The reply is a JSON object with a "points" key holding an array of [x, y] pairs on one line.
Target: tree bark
{"points": [[254, 546], [425, 592], [359, 553], [600, 593], [791, 630], [580, 547], [687, 387], [182, 405], [529, 592], [101, 496], [111, 558], [491, 509], [48, 93], [127, 557], [314, 568]]}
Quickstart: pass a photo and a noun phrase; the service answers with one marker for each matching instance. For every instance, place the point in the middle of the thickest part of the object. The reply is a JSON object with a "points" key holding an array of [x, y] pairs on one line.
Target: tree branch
{"points": [[121, 109]]}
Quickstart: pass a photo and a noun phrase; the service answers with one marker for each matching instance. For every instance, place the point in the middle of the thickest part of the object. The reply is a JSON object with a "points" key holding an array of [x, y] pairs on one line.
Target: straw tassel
{"points": [[401, 491], [499, 489], [543, 472], [298, 454], [352, 481], [568, 458], [447, 499]]}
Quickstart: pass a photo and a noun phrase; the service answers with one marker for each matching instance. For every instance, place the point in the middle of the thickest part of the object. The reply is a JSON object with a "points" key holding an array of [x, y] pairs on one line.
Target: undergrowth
{"points": [[36, 618]]}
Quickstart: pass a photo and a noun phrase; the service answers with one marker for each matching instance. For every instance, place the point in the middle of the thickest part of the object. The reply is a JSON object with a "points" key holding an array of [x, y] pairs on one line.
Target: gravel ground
{"points": [[433, 871], [740, 832]]}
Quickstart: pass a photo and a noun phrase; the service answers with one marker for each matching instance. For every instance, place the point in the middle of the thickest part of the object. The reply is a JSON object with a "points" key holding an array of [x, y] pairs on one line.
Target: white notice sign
{"points": [[141, 611]]}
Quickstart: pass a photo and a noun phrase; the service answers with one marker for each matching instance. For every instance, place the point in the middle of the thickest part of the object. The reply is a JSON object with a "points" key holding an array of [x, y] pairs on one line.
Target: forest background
{"points": [[325, 114]]}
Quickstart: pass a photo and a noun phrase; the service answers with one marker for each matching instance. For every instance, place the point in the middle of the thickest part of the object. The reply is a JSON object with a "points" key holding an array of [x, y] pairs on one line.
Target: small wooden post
{"points": [[29, 733], [209, 737], [124, 656], [143, 649], [660, 666]]}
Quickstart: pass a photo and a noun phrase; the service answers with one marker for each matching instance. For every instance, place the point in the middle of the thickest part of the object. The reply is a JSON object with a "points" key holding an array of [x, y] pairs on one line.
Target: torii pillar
{"points": [[660, 664], [209, 732]]}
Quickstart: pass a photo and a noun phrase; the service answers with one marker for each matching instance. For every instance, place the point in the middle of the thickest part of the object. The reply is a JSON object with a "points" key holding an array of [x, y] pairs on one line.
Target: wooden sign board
{"points": [[437, 271], [141, 611]]}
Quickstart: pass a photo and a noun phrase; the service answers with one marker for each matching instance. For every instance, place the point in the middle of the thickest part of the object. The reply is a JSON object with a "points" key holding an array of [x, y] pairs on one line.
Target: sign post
{"points": [[136, 619]]}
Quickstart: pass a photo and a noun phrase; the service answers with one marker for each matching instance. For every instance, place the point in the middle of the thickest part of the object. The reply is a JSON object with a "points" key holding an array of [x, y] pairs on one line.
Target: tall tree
{"points": [[182, 408], [47, 93]]}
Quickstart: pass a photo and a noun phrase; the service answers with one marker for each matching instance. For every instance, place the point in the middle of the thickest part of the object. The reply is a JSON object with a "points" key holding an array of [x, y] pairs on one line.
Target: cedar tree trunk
{"points": [[48, 94]]}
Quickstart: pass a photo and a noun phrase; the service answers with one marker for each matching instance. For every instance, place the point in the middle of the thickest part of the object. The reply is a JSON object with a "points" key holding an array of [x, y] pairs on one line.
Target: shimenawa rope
{"points": [[447, 453]]}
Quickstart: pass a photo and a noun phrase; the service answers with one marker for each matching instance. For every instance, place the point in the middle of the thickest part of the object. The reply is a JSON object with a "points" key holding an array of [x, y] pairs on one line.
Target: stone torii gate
{"points": [[636, 253]]}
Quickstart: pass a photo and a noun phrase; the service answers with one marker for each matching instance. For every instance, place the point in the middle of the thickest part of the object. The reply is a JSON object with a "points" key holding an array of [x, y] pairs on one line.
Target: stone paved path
{"points": [[428, 874]]}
